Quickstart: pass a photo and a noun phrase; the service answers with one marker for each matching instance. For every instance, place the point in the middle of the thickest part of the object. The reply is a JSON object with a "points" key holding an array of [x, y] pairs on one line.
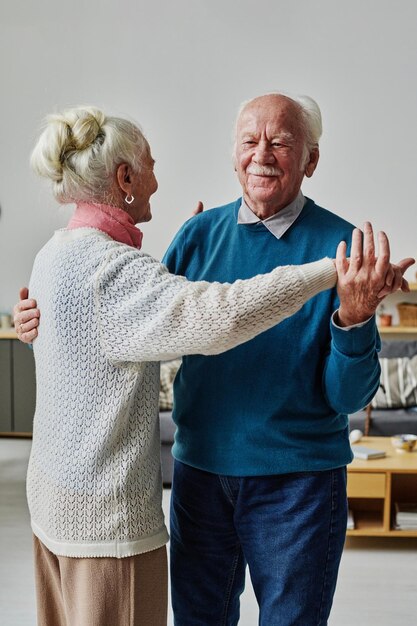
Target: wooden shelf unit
{"points": [[394, 331], [375, 485], [397, 331]]}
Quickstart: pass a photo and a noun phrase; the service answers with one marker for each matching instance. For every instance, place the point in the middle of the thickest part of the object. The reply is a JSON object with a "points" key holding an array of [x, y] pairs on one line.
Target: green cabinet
{"points": [[5, 386], [24, 388], [17, 387]]}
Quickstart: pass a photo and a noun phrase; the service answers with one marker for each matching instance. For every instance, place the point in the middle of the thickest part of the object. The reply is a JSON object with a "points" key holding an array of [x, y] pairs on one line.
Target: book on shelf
{"points": [[405, 515], [361, 452], [351, 521]]}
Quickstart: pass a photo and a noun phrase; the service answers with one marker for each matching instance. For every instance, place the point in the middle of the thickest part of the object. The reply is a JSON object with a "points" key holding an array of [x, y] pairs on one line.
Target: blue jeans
{"points": [[289, 529]]}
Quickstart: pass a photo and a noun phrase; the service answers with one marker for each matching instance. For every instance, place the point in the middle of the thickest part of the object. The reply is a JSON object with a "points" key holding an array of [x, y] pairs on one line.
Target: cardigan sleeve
{"points": [[147, 314]]}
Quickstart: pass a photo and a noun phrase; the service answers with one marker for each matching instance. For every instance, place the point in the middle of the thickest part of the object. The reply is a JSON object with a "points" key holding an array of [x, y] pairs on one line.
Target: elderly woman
{"points": [[110, 313]]}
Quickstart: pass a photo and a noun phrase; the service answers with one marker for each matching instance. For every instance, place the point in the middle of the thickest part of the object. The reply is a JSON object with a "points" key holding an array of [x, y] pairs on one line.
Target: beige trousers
{"points": [[131, 591]]}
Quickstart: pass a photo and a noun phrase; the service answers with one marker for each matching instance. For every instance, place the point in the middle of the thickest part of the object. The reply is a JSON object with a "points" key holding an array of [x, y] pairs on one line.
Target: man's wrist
{"points": [[347, 318]]}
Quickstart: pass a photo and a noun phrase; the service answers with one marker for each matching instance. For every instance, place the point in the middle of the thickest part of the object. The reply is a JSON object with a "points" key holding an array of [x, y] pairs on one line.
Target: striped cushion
{"points": [[398, 384]]}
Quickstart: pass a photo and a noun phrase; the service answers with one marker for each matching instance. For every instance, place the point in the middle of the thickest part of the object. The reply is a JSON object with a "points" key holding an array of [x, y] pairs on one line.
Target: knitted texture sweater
{"points": [[109, 314], [278, 403]]}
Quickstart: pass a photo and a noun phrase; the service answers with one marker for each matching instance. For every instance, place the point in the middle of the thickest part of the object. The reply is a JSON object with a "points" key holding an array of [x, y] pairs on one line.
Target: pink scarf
{"points": [[110, 219]]}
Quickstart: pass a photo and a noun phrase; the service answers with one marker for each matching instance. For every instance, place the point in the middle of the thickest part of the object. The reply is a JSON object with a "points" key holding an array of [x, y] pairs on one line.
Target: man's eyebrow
{"points": [[284, 136], [248, 135]]}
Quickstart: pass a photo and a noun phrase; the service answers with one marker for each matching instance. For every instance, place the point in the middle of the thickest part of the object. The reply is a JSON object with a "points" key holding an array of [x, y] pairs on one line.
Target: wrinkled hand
{"points": [[198, 209], [364, 280], [395, 280], [26, 317]]}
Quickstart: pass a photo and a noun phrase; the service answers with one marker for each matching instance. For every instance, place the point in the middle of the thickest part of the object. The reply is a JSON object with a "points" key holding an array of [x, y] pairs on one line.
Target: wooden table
{"points": [[375, 485]]}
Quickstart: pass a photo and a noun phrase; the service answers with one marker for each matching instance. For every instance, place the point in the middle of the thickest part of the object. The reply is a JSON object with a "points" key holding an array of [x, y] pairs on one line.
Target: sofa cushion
{"points": [[169, 370], [384, 422], [398, 384], [167, 427]]}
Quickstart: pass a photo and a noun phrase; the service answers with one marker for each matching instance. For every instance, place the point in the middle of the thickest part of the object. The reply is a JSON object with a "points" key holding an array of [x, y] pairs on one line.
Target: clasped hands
{"points": [[364, 279]]}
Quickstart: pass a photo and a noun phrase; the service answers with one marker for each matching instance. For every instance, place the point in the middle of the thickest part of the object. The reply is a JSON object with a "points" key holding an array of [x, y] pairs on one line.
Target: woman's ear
{"points": [[124, 178]]}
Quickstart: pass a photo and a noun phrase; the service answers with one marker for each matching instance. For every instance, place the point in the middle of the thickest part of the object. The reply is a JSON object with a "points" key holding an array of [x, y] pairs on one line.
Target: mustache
{"points": [[263, 170]]}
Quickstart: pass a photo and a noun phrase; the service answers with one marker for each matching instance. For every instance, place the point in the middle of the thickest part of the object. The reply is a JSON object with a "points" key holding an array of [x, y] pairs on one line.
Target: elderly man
{"points": [[262, 436]]}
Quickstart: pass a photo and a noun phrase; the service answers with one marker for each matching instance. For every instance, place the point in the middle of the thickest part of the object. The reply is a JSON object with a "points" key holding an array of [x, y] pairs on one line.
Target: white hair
{"points": [[310, 116], [80, 149]]}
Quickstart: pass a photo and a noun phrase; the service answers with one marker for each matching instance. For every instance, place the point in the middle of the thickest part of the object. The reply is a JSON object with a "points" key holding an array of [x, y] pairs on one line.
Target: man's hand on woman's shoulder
{"points": [[26, 317]]}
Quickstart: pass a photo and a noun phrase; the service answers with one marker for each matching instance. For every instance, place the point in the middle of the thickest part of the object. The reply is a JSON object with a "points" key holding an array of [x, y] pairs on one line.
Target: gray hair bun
{"points": [[79, 150], [65, 135]]}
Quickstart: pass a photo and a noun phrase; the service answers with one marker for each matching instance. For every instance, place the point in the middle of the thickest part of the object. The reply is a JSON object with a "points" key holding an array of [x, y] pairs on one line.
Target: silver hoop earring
{"points": [[128, 199]]}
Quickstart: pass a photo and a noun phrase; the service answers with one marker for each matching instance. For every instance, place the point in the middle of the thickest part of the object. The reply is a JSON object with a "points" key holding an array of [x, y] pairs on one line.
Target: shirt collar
{"points": [[277, 224]]}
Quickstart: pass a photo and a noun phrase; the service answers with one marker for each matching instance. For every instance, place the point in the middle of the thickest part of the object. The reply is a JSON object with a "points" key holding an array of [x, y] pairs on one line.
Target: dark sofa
{"points": [[378, 422], [167, 439]]}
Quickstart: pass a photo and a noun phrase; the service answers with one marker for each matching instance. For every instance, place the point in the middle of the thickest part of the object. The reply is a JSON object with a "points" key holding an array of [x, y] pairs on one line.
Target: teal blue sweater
{"points": [[279, 402]]}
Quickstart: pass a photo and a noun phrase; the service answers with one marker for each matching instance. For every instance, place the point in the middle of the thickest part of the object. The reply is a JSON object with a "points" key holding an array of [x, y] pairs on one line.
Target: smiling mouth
{"points": [[263, 172], [264, 177]]}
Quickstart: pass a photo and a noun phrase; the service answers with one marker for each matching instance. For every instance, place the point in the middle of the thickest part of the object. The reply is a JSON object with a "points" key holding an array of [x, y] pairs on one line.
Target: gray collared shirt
{"points": [[277, 224]]}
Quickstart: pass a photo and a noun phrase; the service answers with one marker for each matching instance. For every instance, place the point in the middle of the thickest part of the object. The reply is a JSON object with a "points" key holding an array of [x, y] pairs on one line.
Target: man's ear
{"points": [[312, 162], [124, 178]]}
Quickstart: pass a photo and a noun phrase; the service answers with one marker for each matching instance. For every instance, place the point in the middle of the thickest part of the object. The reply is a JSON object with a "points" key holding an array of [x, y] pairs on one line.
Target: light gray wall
{"points": [[181, 68]]}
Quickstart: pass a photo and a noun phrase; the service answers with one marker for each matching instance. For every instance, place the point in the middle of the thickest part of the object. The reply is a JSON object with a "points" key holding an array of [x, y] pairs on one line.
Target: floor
{"points": [[377, 582]]}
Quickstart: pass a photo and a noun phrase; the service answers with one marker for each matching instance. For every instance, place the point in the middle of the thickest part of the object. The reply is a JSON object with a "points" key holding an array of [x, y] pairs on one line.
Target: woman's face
{"points": [[144, 184]]}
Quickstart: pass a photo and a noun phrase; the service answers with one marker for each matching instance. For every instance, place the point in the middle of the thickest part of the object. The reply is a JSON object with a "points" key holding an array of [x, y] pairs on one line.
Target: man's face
{"points": [[269, 154]]}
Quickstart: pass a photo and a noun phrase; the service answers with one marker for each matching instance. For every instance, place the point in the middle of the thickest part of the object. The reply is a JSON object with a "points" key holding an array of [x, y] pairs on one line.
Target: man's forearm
{"points": [[352, 371]]}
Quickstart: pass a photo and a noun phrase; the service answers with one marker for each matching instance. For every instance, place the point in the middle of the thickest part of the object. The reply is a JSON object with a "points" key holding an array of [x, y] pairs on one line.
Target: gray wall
{"points": [[181, 68]]}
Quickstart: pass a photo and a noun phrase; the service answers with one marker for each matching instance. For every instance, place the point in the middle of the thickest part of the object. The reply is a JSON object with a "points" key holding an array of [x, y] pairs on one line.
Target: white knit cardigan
{"points": [[110, 313]]}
